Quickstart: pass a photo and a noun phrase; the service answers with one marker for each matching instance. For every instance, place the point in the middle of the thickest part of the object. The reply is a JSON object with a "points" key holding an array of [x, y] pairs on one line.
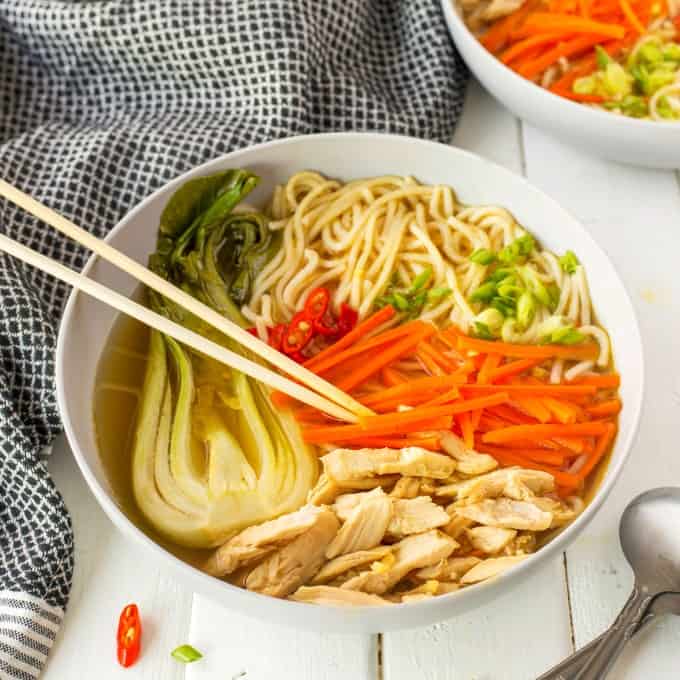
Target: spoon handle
{"points": [[567, 669], [613, 641]]}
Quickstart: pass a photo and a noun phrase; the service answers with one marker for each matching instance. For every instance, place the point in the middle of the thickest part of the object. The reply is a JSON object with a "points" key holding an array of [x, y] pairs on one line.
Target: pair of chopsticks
{"points": [[306, 387]]}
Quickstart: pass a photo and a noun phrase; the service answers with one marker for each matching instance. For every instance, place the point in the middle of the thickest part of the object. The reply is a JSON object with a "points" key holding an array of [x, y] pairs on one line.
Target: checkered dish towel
{"points": [[103, 102]]}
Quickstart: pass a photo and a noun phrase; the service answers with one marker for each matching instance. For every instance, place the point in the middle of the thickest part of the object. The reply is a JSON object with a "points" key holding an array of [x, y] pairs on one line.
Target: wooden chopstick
{"points": [[165, 288], [174, 330]]}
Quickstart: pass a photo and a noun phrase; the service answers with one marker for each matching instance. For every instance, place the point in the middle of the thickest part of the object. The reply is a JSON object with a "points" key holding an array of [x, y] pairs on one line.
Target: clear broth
{"points": [[118, 385]]}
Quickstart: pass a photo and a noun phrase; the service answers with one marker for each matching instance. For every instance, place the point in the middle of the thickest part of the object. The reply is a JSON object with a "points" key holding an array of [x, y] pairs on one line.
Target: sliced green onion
{"points": [[602, 57], [483, 256], [585, 85], [650, 53], [436, 294], [421, 280], [510, 290], [554, 293], [484, 293], [634, 106], [569, 262], [482, 331], [566, 336], [671, 52], [500, 274], [526, 310], [400, 302], [520, 247], [505, 305], [616, 80], [534, 284], [186, 654], [492, 319]]}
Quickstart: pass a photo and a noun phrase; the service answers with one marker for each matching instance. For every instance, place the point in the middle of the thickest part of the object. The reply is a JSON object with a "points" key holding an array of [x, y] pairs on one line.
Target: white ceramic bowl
{"points": [[86, 324], [629, 140]]}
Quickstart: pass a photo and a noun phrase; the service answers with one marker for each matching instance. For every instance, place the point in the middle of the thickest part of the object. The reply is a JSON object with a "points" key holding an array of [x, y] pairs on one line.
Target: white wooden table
{"points": [[635, 215]]}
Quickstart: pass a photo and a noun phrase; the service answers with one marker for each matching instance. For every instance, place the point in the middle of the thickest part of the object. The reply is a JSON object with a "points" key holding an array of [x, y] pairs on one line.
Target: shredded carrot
{"points": [[467, 429], [533, 407], [437, 356], [576, 445], [428, 363], [565, 49], [521, 47], [589, 350], [431, 443], [562, 411], [609, 380], [540, 431], [444, 398], [397, 420], [601, 448], [631, 16], [605, 408], [512, 368], [391, 377], [347, 433], [359, 348], [496, 37], [511, 458], [537, 455], [578, 96], [359, 331], [533, 390], [547, 21], [374, 364], [511, 415], [413, 387]]}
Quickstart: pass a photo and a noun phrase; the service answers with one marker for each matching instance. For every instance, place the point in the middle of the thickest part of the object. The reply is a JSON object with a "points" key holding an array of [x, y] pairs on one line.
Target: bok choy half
{"points": [[211, 454]]}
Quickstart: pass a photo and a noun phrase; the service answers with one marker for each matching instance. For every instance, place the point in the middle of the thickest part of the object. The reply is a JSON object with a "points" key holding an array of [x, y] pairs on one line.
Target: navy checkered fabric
{"points": [[103, 102]]}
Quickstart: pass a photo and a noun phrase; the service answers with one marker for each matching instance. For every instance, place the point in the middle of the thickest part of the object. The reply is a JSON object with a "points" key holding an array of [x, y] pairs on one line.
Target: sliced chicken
{"points": [[563, 512], [415, 515], [457, 524], [346, 466], [294, 564], [344, 563], [468, 461], [337, 597], [507, 514], [413, 552], [490, 568], [500, 8], [365, 525], [448, 570], [406, 487], [523, 485], [346, 502], [490, 540], [324, 491], [257, 541], [524, 544]]}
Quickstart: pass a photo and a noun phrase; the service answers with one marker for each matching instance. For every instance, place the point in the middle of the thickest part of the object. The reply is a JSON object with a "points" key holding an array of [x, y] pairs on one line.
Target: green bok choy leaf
{"points": [[211, 453]]}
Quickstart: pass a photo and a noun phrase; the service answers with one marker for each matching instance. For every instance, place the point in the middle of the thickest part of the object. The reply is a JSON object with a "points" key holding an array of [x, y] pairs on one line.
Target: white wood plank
{"points": [[634, 214], [235, 646], [110, 572], [484, 644]]}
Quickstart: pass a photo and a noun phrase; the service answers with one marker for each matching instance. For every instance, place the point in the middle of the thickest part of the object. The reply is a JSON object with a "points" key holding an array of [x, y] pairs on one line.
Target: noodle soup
{"points": [[490, 381]]}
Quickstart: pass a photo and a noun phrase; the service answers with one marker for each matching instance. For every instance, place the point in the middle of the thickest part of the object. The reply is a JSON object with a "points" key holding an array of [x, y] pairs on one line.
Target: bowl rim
{"points": [[204, 581], [547, 97]]}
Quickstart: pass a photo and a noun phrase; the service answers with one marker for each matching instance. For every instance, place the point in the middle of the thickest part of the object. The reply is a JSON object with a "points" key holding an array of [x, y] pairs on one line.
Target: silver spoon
{"points": [[651, 543], [666, 603]]}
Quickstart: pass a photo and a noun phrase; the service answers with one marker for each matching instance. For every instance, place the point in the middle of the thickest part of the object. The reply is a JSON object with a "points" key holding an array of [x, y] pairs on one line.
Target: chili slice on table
{"points": [[129, 636]]}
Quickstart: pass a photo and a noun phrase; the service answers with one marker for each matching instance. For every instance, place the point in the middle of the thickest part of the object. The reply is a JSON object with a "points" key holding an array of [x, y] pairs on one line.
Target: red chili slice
{"points": [[347, 319], [317, 303], [253, 331], [326, 326], [129, 636], [298, 333], [275, 336]]}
